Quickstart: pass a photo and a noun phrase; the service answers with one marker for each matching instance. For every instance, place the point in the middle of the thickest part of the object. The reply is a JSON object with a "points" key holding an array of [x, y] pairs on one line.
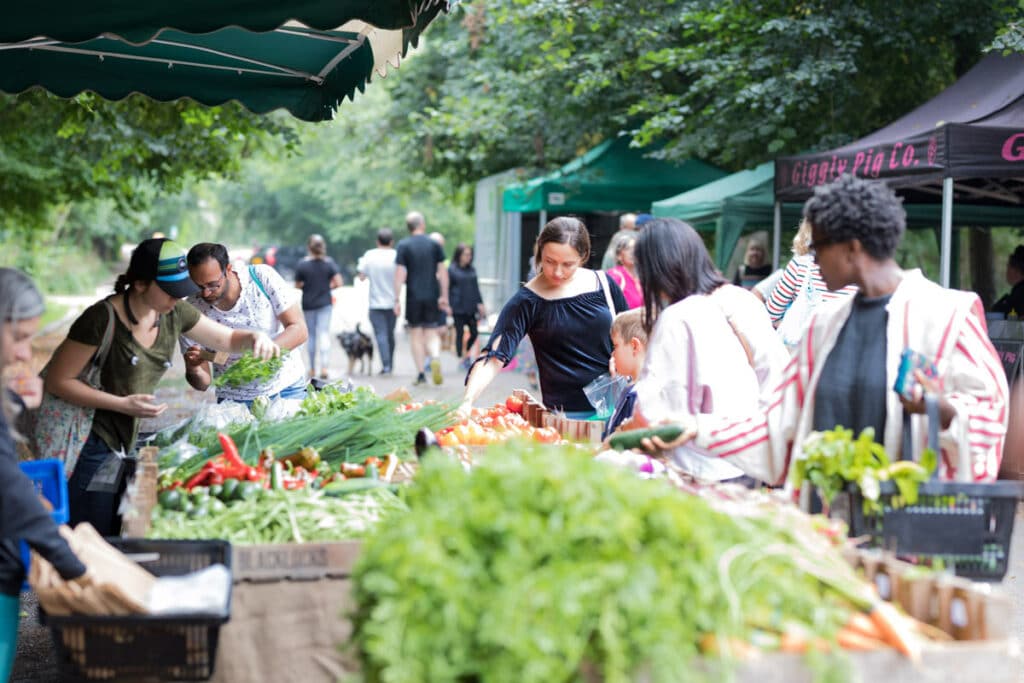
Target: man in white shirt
{"points": [[378, 266], [253, 298]]}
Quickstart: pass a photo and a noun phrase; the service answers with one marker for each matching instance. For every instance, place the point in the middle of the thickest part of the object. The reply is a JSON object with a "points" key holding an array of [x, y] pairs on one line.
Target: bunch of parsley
{"points": [[543, 565]]}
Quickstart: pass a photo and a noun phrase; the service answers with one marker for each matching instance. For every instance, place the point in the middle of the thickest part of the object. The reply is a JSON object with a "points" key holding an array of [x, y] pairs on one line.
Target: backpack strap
{"points": [[255, 278]]}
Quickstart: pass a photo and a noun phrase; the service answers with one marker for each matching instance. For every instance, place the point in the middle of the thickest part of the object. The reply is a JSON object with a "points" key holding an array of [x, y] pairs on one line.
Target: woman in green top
{"points": [[149, 318]]}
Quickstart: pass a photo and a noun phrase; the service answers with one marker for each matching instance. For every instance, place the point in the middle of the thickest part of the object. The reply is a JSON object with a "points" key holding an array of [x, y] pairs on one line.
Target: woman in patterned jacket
{"points": [[845, 368]]}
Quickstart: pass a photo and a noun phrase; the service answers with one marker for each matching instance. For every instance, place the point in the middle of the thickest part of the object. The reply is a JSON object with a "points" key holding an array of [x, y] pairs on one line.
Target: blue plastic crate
{"points": [[48, 478]]}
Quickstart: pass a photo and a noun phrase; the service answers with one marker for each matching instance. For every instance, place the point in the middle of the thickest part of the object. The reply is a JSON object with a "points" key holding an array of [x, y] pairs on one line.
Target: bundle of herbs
{"points": [[249, 368], [833, 459], [543, 565], [371, 426]]}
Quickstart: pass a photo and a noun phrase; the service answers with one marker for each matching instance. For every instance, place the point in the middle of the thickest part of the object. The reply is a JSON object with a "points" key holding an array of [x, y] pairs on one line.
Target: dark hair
{"points": [[851, 208], [142, 265], [671, 259], [563, 230], [461, 248], [200, 253], [1016, 259], [385, 236]]}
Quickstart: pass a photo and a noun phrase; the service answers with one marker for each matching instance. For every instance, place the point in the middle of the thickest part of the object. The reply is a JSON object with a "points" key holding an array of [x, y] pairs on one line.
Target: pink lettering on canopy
{"points": [[857, 162], [933, 150], [1013, 148], [876, 165]]}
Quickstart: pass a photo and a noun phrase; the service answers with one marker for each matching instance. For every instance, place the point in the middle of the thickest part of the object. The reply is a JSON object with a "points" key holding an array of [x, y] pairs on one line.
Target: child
{"points": [[629, 345]]}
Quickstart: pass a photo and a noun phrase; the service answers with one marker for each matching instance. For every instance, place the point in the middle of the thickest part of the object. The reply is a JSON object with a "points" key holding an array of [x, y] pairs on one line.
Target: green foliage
{"points": [[833, 459], [249, 368], [58, 155], [543, 565], [513, 83], [345, 180]]}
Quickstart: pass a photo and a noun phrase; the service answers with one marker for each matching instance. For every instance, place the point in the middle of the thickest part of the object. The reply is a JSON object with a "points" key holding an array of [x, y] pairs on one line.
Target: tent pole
{"points": [[946, 240], [777, 236]]}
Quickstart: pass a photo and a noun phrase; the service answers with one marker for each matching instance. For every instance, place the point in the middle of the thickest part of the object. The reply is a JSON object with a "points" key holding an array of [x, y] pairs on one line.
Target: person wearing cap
{"points": [[149, 317], [253, 298]]}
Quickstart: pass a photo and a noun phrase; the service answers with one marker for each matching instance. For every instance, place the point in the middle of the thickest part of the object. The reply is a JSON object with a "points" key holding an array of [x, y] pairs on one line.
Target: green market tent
{"points": [[610, 177], [744, 202], [303, 56]]}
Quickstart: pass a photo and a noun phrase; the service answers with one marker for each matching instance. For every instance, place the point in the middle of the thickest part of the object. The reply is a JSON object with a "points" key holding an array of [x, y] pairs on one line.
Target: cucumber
{"points": [[631, 439], [337, 489]]}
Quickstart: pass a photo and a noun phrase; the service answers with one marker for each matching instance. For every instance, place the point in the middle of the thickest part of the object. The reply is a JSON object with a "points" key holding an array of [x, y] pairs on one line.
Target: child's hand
{"points": [[27, 385]]}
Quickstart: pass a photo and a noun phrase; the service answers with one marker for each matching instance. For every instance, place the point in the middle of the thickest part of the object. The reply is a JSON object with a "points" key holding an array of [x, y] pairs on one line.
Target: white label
{"points": [[556, 198]]}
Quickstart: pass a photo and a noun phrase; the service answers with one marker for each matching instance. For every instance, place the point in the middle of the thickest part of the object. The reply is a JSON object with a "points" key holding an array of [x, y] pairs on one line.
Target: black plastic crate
{"points": [[141, 646], [967, 525]]}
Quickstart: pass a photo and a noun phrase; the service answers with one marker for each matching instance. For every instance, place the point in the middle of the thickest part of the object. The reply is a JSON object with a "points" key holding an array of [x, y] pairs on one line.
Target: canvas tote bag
{"points": [[60, 429]]}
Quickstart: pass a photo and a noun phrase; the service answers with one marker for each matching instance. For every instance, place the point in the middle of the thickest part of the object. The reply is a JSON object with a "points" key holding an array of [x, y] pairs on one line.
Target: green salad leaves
{"points": [[544, 565], [248, 368], [834, 459]]}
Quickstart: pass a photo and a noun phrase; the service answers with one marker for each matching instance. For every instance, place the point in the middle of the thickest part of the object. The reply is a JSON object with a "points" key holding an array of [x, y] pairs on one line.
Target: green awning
{"points": [[305, 57], [611, 177], [744, 202]]}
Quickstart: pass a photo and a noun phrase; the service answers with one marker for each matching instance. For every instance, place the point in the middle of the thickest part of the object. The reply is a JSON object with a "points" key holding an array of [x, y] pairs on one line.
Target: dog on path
{"points": [[359, 348]]}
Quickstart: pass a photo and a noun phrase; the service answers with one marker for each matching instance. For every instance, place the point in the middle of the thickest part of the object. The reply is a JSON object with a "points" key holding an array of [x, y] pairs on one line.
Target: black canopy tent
{"points": [[964, 145]]}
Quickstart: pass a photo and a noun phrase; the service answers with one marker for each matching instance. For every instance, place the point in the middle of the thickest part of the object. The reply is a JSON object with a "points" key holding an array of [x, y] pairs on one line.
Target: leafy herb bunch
{"points": [[543, 565], [249, 368], [834, 459]]}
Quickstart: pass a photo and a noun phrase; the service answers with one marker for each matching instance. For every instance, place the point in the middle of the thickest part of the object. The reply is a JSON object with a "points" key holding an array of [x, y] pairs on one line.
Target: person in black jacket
{"points": [[466, 302], [1013, 301], [22, 515]]}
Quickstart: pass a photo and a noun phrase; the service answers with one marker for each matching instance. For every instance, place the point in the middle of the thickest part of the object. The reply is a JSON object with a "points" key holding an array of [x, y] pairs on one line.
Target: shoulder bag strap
{"points": [[108, 336], [255, 278], [603, 279]]}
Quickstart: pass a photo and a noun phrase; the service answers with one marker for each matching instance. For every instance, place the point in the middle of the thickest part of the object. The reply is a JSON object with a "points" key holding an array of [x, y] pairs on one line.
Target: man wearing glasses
{"points": [[253, 298]]}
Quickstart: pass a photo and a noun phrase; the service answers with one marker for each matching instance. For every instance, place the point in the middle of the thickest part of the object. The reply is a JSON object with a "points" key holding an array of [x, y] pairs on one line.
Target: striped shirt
{"points": [[799, 290], [945, 325]]}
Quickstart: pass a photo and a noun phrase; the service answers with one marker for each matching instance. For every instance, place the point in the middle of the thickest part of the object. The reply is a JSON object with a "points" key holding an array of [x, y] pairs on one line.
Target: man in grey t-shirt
{"points": [[378, 266]]}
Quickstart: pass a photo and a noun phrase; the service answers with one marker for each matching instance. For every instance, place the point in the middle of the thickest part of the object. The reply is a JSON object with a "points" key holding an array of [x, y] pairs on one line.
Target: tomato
{"points": [[547, 435], [514, 404]]}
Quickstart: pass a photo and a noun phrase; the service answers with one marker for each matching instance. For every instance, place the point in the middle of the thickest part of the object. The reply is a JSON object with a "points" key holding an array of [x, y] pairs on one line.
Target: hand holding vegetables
{"points": [[263, 347]]}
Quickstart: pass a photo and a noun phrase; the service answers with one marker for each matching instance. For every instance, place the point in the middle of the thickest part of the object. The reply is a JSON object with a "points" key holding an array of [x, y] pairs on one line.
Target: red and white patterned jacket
{"points": [[945, 325]]}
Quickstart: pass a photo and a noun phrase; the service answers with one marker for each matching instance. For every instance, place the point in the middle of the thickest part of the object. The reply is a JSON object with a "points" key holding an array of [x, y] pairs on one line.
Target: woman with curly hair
{"points": [[847, 362]]}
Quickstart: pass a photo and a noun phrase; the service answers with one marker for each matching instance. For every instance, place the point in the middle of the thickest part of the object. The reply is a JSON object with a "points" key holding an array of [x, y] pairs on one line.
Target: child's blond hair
{"points": [[629, 324]]}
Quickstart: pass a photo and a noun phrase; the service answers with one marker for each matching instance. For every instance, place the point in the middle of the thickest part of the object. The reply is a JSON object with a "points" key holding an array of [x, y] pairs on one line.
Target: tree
{"points": [[344, 180], [533, 82], [55, 153]]}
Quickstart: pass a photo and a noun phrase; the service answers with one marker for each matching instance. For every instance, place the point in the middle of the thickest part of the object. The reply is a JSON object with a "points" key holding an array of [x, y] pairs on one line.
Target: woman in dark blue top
{"points": [[464, 298], [566, 311]]}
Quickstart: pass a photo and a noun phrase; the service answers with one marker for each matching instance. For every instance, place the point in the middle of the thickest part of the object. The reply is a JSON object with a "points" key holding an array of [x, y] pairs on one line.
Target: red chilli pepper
{"points": [[199, 478], [231, 450]]}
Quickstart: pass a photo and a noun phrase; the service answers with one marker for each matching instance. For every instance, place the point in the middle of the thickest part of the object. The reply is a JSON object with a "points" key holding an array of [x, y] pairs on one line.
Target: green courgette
{"points": [[632, 438], [337, 489]]}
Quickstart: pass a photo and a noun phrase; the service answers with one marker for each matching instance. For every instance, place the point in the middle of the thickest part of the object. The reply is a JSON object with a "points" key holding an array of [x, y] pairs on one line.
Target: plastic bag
{"points": [[109, 475], [603, 393]]}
